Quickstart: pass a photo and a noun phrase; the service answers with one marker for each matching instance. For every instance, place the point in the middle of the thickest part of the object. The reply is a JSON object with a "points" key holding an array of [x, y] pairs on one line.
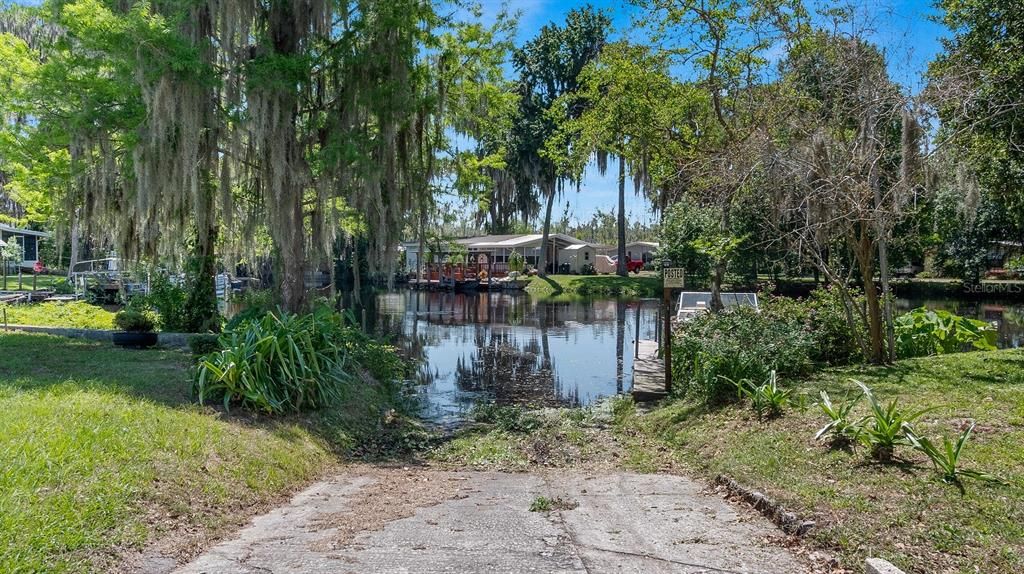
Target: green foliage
{"points": [[883, 429], [545, 504], [824, 319], [684, 224], [767, 399], [74, 314], [134, 321], [516, 262], [190, 307], [737, 344], [285, 363], [924, 332], [841, 428], [203, 344], [947, 459], [513, 419]]}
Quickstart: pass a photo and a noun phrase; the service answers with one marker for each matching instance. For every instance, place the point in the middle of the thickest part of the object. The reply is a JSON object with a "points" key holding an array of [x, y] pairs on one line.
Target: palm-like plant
{"points": [[947, 458], [767, 399], [882, 430], [840, 428]]}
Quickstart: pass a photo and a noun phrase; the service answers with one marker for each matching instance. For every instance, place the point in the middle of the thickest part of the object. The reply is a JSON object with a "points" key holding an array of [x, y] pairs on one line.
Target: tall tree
{"points": [[549, 67]]}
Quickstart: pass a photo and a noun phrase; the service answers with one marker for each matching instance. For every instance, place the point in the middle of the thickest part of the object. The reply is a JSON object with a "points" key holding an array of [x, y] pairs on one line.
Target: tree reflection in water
{"points": [[511, 348]]}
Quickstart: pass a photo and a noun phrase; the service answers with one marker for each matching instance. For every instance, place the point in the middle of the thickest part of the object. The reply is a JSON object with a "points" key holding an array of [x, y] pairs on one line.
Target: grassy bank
{"points": [[900, 511], [41, 281], [75, 314], [646, 285], [103, 450]]}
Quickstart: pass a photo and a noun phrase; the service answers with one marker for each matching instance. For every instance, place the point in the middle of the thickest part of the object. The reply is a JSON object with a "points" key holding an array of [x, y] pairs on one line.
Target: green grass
{"points": [[902, 511], [42, 282], [644, 285], [77, 314], [102, 450]]}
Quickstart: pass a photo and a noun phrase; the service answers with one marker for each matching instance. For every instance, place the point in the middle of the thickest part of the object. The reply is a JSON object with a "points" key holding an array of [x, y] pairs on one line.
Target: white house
{"points": [[635, 250], [27, 239]]}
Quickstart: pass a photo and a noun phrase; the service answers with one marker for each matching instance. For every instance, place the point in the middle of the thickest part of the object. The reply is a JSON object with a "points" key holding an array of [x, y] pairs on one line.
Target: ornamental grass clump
{"points": [[279, 362]]}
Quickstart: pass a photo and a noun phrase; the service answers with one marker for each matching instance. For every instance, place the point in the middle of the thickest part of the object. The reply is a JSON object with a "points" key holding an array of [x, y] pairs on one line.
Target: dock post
{"points": [[667, 352], [636, 339]]}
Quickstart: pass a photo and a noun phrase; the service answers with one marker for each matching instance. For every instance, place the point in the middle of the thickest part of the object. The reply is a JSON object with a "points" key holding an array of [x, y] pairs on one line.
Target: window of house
{"points": [[586, 256]]}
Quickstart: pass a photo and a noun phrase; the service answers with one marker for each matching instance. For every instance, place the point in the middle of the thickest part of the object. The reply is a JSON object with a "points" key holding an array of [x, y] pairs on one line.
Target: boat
{"points": [[692, 304]]}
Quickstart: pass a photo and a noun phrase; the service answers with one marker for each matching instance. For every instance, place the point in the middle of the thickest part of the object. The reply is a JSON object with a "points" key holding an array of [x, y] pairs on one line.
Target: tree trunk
{"points": [[75, 232], [865, 253], [542, 263], [718, 269], [621, 267]]}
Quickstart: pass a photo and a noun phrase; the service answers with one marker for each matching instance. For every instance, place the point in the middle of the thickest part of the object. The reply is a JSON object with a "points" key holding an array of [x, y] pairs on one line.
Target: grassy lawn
{"points": [[102, 450], [77, 314], [901, 511], [643, 285], [42, 281]]}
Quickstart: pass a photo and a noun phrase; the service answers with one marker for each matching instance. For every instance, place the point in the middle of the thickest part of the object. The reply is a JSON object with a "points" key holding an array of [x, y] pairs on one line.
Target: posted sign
{"points": [[673, 277]]}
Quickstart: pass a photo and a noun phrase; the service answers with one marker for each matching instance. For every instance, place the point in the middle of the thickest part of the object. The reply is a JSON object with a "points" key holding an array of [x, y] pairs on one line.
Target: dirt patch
{"points": [[394, 494]]}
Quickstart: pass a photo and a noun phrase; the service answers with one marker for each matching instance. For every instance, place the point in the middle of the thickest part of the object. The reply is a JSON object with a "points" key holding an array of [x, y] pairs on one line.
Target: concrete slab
{"points": [[469, 522]]}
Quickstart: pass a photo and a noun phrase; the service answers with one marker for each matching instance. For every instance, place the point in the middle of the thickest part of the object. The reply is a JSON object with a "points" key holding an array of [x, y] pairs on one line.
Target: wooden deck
{"points": [[648, 373]]}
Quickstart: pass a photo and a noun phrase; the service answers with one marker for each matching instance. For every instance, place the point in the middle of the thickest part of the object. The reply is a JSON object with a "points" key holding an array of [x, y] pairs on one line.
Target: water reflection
{"points": [[1008, 316], [511, 348]]}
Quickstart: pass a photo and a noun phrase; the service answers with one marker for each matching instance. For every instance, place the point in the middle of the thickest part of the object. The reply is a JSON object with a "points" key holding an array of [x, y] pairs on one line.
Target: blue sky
{"points": [[901, 27]]}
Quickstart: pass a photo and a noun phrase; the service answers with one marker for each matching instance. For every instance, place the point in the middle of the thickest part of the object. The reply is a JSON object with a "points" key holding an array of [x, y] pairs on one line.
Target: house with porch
{"points": [[492, 252], [27, 239]]}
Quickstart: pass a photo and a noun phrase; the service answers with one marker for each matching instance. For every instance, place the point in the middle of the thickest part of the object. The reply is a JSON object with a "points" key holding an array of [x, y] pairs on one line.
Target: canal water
{"points": [[511, 348]]}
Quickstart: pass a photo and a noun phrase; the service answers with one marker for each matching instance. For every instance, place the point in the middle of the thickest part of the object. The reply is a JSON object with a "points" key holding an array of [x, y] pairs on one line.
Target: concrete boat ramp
{"points": [[428, 521]]}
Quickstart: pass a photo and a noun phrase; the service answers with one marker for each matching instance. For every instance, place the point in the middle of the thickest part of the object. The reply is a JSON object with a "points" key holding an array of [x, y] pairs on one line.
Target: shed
{"points": [[577, 256]]}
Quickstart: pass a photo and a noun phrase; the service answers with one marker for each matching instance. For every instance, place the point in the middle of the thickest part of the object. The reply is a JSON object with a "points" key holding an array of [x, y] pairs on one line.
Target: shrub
{"points": [[926, 332], [203, 344], [736, 344], [287, 363], [588, 269], [823, 317], [134, 321]]}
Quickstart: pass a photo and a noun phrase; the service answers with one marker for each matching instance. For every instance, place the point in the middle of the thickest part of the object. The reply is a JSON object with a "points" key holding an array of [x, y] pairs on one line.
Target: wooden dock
{"points": [[648, 373]]}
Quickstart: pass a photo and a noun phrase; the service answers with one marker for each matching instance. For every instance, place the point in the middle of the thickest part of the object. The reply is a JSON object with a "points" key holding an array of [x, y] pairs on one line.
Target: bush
{"points": [[281, 363], [588, 269], [716, 348], [924, 332], [824, 319], [203, 344], [134, 321]]}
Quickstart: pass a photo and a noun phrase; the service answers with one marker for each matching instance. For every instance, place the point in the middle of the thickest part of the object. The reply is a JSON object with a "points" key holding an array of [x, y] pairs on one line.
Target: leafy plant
{"points": [[716, 348], [947, 458], [883, 429], [840, 428], [767, 399], [281, 362], [516, 262], [925, 331], [513, 419], [203, 344], [134, 321]]}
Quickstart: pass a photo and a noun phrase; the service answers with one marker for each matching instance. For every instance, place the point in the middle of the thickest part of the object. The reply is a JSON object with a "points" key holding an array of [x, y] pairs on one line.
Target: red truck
{"points": [[633, 265]]}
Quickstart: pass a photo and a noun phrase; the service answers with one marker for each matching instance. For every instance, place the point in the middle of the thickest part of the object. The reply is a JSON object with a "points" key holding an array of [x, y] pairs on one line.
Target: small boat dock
{"points": [[648, 372]]}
